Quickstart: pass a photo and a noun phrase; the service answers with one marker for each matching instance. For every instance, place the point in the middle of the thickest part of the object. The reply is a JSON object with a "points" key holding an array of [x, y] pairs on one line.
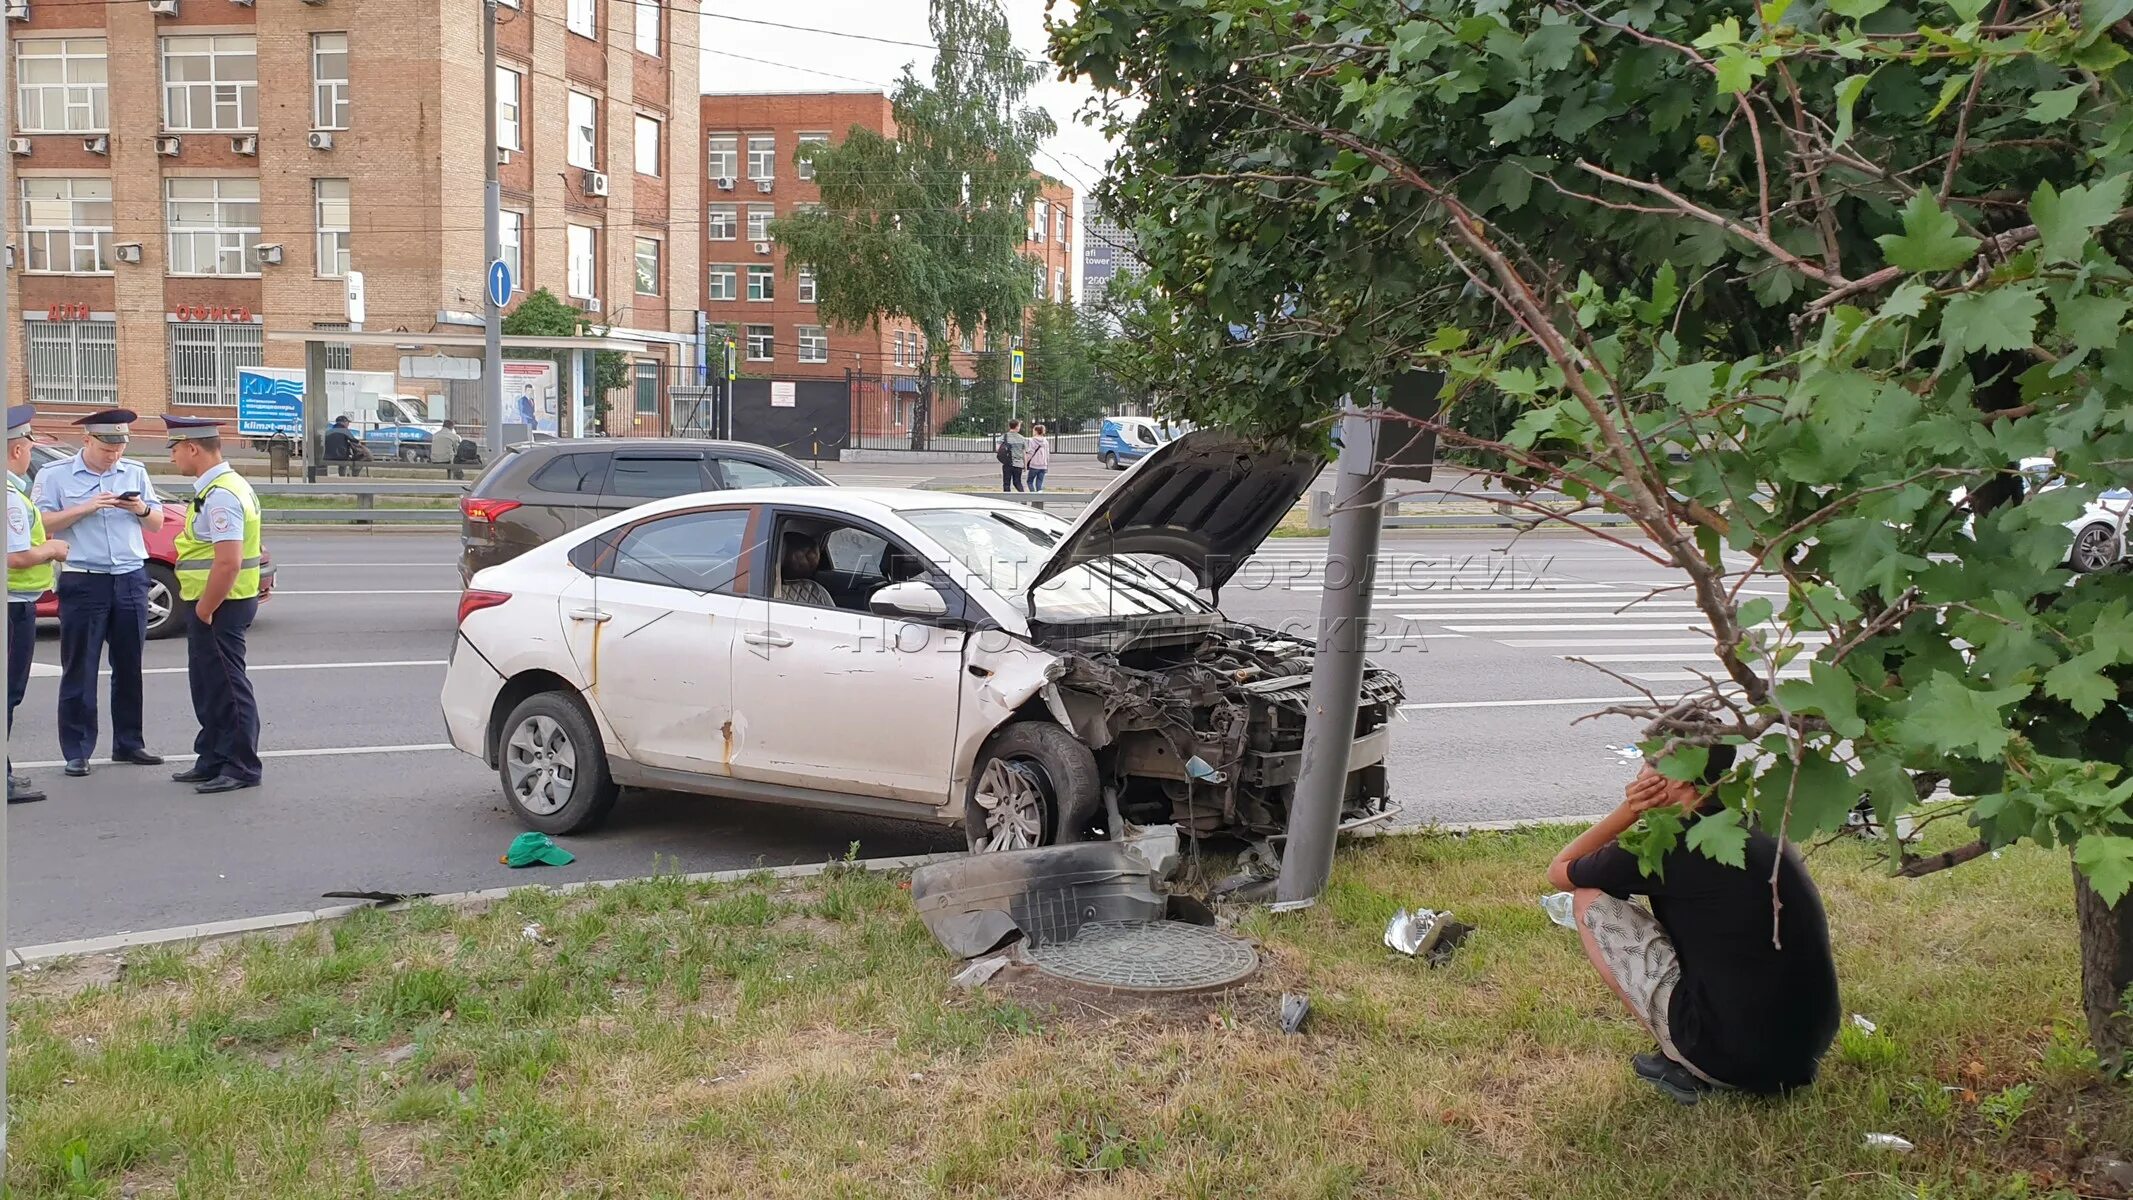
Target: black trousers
{"points": [[99, 613], [21, 651], [228, 742]]}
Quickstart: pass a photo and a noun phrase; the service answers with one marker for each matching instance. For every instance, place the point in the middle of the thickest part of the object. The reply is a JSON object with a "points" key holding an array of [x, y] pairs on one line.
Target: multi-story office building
{"points": [[193, 174]]}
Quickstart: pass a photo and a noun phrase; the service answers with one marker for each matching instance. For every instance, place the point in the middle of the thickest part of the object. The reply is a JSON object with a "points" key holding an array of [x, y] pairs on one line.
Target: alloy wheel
{"points": [[1016, 798]]}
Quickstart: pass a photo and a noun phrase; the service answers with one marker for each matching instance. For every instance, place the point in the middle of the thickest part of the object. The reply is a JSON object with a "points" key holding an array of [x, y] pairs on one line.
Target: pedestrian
{"points": [[108, 503], [343, 447], [1735, 999], [1040, 457], [218, 583], [444, 444], [30, 555], [1013, 453]]}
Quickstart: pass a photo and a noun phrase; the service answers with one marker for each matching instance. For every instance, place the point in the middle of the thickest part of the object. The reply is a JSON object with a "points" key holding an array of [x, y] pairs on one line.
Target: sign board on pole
{"points": [[500, 283], [732, 363], [355, 300], [267, 406], [439, 366], [1014, 359], [703, 347], [784, 394]]}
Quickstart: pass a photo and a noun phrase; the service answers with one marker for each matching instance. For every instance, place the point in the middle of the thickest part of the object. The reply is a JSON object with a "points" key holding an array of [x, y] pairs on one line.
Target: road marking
{"points": [[372, 592], [1617, 627], [1455, 704], [318, 752], [50, 671], [1535, 643], [1622, 658]]}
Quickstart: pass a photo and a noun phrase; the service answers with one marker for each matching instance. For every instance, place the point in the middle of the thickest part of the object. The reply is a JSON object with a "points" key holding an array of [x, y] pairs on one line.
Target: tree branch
{"points": [[1916, 868], [1759, 238]]}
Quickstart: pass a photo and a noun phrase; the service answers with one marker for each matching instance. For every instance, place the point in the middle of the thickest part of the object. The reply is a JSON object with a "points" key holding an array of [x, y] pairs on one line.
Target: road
{"points": [[362, 794]]}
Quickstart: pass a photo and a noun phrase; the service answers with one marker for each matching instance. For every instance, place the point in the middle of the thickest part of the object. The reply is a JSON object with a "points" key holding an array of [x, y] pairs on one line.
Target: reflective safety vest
{"points": [[196, 556], [37, 579]]}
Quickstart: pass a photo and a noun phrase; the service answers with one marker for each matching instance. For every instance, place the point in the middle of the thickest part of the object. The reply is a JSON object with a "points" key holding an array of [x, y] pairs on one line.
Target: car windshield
{"points": [[1006, 549]]}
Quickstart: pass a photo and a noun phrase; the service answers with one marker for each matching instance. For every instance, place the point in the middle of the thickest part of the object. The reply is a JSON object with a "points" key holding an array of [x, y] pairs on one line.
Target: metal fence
{"points": [[894, 412]]}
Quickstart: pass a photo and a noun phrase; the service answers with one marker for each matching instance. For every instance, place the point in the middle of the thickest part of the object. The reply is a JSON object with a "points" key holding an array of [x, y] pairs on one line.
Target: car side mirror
{"points": [[916, 599]]}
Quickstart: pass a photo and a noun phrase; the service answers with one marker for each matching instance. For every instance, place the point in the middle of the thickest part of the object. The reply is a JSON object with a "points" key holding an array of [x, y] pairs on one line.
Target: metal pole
{"points": [[7, 397], [1337, 669], [492, 355]]}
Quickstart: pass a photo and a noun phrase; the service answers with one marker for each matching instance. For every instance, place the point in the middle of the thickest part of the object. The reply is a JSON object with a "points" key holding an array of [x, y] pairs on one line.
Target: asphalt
{"points": [[361, 794]]}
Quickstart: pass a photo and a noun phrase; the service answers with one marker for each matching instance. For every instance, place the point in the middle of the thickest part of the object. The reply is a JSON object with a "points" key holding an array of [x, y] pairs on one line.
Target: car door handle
{"points": [[591, 614], [766, 639]]}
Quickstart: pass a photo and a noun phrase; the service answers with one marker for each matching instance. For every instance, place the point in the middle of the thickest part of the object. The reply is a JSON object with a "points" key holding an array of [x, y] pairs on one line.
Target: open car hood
{"points": [[1206, 499]]}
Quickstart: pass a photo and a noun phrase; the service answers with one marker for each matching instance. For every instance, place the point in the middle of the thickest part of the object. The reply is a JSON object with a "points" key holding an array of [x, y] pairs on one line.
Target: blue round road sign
{"points": [[499, 283]]}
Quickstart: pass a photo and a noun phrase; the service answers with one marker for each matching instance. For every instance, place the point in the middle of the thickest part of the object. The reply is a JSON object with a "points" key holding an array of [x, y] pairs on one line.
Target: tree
{"points": [[542, 315], [1858, 258], [927, 226]]}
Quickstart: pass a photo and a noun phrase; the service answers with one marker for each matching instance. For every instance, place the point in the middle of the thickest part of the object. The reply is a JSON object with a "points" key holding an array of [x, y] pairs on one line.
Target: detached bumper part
{"points": [[1046, 894]]}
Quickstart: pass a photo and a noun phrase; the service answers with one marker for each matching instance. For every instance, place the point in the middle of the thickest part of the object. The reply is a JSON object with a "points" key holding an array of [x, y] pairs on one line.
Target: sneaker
{"points": [[1672, 1079]]}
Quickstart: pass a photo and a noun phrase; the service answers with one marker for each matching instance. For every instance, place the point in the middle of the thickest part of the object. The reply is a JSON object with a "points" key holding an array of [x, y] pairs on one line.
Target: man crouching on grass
{"points": [[1730, 1009]]}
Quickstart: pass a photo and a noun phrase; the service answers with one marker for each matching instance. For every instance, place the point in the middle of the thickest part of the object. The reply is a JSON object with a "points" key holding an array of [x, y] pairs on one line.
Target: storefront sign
{"points": [[234, 314], [67, 312]]}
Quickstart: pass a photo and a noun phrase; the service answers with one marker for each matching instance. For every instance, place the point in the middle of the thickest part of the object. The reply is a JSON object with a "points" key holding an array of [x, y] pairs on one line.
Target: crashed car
{"points": [[920, 655]]}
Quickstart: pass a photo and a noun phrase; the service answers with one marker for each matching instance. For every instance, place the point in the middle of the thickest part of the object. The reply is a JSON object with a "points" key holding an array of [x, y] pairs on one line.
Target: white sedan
{"points": [[921, 655], [2098, 535]]}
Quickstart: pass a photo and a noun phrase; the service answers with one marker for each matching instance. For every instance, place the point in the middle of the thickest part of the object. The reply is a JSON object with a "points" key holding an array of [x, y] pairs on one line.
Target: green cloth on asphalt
{"points": [[530, 848]]}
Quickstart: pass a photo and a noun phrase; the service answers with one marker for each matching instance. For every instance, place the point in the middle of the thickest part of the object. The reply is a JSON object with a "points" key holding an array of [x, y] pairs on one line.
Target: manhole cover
{"points": [[1147, 956]]}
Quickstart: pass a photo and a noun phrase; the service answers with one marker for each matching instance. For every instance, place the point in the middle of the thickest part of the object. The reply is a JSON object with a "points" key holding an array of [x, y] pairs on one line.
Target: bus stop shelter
{"points": [[468, 344]]}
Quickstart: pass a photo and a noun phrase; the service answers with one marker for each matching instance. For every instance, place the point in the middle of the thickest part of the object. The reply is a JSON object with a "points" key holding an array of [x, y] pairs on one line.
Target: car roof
{"points": [[859, 502]]}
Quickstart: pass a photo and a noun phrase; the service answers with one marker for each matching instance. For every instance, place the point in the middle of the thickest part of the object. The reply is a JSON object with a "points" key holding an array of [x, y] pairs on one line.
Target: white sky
{"points": [[1077, 154]]}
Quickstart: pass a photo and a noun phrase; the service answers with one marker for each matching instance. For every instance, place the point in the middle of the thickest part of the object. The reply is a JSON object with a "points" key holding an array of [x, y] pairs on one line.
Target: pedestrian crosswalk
{"points": [[1628, 628]]}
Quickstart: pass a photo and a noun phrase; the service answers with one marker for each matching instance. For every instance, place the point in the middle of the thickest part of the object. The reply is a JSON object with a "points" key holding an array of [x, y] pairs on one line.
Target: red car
{"points": [[164, 619]]}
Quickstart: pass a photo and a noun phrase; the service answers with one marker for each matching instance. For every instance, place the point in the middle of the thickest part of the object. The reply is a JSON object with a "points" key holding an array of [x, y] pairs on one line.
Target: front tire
{"points": [[1035, 784], [553, 767], [165, 618], [2095, 548]]}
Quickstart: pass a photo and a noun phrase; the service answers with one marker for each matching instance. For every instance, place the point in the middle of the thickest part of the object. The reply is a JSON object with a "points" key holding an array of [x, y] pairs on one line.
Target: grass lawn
{"points": [[668, 1039]]}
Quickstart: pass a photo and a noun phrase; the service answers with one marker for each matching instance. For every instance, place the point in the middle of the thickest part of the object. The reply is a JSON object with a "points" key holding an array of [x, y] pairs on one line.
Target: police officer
{"points": [[218, 585], [30, 555], [108, 504]]}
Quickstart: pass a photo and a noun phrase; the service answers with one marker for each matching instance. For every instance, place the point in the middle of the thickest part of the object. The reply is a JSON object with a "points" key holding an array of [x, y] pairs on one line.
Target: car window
{"points": [[649, 478], [856, 551], [699, 551], [740, 473], [571, 473], [1004, 550]]}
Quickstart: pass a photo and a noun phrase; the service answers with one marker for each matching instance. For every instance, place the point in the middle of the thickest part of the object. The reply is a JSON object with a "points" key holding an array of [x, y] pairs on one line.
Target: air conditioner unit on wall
{"points": [[725, 183], [18, 10], [18, 146], [762, 247], [169, 146], [595, 183], [503, 157], [100, 144], [247, 145], [269, 253], [163, 8], [127, 252], [763, 186], [321, 139], [593, 305]]}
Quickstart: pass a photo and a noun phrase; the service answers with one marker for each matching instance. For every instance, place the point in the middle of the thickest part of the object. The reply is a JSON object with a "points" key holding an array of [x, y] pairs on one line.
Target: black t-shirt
{"points": [[1754, 1015]]}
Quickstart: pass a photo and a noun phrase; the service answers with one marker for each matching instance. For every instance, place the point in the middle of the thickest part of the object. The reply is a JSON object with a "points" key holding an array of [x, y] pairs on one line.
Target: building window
{"points": [[214, 226], [648, 266], [1059, 291], [647, 389], [66, 226], [647, 145], [814, 344], [330, 105], [1059, 220], [759, 216], [340, 356], [899, 358], [1038, 270], [507, 109], [649, 13], [722, 156], [211, 84], [762, 342], [579, 19], [584, 132], [510, 246], [333, 221], [204, 359], [963, 342], [806, 286], [723, 223], [584, 273], [762, 284], [762, 157], [1044, 218], [62, 85], [802, 168], [73, 362], [723, 282]]}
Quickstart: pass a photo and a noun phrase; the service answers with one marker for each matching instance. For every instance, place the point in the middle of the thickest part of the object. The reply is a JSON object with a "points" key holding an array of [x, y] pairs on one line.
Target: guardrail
{"points": [[364, 492], [1502, 512]]}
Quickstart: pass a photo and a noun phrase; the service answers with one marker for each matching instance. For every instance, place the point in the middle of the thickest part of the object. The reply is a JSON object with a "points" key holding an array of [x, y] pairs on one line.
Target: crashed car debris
{"points": [[975, 905]]}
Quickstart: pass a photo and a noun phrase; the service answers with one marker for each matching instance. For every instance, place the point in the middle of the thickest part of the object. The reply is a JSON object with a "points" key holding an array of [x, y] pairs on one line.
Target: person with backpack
{"points": [[1013, 454]]}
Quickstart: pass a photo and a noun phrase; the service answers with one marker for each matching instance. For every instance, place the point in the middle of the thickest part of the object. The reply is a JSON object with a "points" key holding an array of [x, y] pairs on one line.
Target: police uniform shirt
{"points": [[221, 515], [109, 542], [18, 529]]}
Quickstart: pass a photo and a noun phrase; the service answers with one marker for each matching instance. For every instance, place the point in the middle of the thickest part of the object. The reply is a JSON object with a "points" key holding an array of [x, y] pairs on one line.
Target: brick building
{"points": [[195, 173], [750, 179]]}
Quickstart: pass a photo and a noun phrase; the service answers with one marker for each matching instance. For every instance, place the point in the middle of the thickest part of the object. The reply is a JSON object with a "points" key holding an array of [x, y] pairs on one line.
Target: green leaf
{"points": [[1756, 612], [1720, 837], [1908, 300], [2050, 108], [1652, 838], [1857, 9], [2097, 16], [2108, 862], [1551, 46], [1968, 10], [2092, 322], [1725, 33], [1827, 692], [1955, 86], [1930, 240], [1954, 719], [1686, 763], [1515, 119], [2080, 682], [2065, 219], [2003, 318], [1737, 72], [1823, 796], [1848, 93]]}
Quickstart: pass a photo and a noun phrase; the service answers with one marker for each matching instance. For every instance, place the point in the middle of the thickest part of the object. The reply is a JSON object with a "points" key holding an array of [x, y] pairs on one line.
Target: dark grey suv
{"points": [[541, 490]]}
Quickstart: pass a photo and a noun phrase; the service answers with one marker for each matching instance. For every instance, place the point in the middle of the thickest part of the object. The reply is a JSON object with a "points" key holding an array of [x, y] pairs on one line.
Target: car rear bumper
{"points": [[469, 697]]}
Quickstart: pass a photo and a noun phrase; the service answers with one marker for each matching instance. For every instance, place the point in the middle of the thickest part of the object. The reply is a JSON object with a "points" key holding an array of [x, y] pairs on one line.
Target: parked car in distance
{"points": [[1123, 440], [2098, 535], [540, 490], [164, 619], [919, 655]]}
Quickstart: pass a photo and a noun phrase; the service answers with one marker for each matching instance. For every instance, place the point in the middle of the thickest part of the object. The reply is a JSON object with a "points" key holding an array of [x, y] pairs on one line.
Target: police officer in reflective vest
{"points": [[218, 586], [30, 555]]}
